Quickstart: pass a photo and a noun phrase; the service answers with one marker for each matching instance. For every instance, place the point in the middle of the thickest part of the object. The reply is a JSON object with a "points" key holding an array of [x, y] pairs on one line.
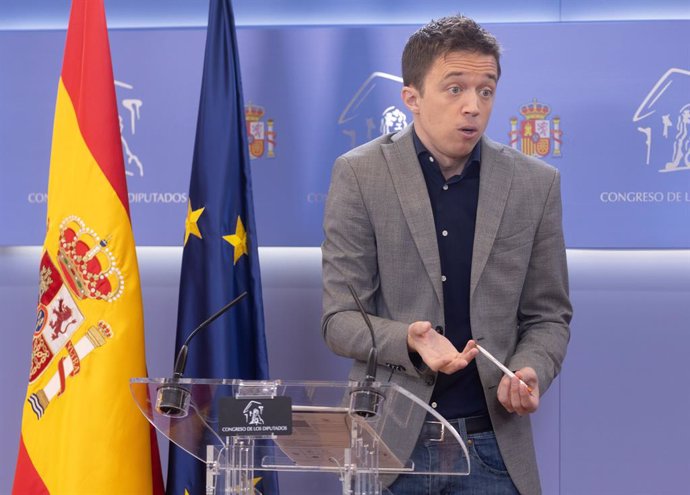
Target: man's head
{"points": [[450, 73], [439, 37]]}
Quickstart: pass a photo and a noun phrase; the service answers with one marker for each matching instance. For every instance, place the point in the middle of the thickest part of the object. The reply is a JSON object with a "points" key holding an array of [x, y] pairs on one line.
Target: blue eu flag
{"points": [[220, 258]]}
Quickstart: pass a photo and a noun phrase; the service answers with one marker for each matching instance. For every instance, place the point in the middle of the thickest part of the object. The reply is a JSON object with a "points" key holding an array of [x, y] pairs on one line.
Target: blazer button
{"points": [[429, 381], [439, 329]]}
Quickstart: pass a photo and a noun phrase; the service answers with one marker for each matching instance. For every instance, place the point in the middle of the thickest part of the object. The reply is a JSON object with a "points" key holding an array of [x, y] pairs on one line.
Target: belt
{"points": [[435, 430]]}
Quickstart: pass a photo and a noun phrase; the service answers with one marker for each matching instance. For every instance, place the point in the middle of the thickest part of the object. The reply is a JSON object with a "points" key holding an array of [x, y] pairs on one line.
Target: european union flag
{"points": [[220, 258]]}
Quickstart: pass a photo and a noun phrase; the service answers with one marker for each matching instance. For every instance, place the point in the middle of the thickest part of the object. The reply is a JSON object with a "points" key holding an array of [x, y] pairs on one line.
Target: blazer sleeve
{"points": [[349, 255], [545, 311]]}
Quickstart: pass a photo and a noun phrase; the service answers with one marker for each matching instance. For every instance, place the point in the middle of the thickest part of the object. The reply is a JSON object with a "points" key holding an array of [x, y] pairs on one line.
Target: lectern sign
{"points": [[255, 416]]}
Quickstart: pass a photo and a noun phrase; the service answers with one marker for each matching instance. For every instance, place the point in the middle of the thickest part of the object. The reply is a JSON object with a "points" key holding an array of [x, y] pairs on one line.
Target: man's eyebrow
{"points": [[489, 75]]}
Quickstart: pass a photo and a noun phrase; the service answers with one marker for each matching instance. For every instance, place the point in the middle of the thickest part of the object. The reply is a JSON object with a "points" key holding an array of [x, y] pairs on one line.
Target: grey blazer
{"points": [[380, 237]]}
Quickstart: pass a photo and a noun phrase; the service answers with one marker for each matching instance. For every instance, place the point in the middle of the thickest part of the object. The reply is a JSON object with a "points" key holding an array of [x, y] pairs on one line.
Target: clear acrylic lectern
{"points": [[350, 429]]}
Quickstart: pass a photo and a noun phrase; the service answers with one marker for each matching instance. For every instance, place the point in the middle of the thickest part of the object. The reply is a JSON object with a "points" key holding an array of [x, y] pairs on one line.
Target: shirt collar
{"points": [[475, 156]]}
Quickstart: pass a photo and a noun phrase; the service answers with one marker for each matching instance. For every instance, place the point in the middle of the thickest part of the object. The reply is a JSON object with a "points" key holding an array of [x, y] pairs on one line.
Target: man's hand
{"points": [[514, 395], [437, 351]]}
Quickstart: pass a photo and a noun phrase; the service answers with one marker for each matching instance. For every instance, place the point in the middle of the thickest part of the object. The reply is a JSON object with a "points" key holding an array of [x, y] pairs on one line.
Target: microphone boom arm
{"points": [[181, 359]]}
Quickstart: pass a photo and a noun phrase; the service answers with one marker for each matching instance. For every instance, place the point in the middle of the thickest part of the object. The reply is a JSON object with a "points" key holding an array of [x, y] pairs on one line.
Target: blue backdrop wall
{"points": [[606, 102], [606, 87]]}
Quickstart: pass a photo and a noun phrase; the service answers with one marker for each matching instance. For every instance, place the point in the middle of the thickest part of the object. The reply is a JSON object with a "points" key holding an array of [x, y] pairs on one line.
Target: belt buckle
{"points": [[442, 436]]}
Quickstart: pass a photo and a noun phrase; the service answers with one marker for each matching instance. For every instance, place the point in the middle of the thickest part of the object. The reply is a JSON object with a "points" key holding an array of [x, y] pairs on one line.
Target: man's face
{"points": [[453, 109]]}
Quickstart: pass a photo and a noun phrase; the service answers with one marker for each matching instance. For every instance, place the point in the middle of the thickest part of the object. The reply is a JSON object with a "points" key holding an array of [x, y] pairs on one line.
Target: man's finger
{"points": [[502, 394], [455, 365]]}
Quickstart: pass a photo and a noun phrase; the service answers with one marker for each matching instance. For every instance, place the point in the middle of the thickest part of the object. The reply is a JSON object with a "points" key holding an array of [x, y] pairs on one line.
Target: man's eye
{"points": [[455, 90], [486, 93]]}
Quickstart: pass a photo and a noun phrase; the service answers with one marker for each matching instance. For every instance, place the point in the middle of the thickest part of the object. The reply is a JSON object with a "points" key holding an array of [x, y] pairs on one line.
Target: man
{"points": [[450, 238]]}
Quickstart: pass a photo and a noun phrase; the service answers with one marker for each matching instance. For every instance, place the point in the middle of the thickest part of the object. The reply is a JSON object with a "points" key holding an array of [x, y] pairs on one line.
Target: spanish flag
{"points": [[82, 432]]}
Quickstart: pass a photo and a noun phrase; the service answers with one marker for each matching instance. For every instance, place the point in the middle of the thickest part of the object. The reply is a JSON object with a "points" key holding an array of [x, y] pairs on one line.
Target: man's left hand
{"points": [[515, 397]]}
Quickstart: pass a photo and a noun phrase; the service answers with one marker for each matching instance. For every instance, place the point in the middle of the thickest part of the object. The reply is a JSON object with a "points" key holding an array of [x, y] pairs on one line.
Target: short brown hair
{"points": [[439, 37]]}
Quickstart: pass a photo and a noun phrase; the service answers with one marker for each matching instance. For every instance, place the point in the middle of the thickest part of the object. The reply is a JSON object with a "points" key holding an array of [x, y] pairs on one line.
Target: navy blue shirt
{"points": [[454, 204]]}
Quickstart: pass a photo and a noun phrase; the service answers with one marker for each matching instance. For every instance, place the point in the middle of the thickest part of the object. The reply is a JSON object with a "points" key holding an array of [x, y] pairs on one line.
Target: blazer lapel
{"points": [[410, 186], [495, 178]]}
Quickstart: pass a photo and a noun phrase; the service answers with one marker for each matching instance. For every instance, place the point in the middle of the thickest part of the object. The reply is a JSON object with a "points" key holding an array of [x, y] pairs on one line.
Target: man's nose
{"points": [[470, 103]]}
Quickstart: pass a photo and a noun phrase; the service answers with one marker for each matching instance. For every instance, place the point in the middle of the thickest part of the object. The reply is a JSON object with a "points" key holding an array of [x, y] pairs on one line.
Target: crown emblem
{"points": [[253, 113], [536, 135], [261, 136], [90, 269], [535, 111]]}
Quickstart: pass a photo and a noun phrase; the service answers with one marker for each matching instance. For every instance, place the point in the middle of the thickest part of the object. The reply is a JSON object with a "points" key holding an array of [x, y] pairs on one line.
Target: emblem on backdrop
{"points": [[536, 135], [375, 109], [260, 135], [129, 113], [663, 119]]}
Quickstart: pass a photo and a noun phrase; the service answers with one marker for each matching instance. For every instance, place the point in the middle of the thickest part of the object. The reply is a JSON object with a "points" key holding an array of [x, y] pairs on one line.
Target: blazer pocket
{"points": [[513, 241]]}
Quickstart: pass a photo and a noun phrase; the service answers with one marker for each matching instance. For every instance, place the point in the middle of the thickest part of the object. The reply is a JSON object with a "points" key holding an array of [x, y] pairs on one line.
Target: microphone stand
{"points": [[365, 400], [172, 399]]}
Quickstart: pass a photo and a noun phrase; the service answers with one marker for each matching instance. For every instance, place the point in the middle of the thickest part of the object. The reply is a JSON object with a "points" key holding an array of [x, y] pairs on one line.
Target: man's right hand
{"points": [[436, 350]]}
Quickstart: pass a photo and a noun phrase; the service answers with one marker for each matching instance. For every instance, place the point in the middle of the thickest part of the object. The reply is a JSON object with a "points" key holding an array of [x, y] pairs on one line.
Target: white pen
{"points": [[501, 366]]}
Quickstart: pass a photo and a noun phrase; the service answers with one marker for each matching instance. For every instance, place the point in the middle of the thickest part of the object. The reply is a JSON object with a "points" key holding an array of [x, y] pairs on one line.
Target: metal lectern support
{"points": [[234, 464], [361, 470]]}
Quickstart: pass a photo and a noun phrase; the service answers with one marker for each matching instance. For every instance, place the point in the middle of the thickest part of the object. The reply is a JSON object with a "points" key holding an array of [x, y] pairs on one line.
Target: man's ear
{"points": [[410, 97]]}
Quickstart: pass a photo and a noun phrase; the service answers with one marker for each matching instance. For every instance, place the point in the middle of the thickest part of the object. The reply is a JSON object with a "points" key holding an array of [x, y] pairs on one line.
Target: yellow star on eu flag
{"points": [[190, 223], [238, 240]]}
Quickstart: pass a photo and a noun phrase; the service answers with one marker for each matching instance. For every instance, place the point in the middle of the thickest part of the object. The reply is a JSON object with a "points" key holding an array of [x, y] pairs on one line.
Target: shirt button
{"points": [[445, 187], [431, 159], [443, 278], [444, 233], [434, 405]]}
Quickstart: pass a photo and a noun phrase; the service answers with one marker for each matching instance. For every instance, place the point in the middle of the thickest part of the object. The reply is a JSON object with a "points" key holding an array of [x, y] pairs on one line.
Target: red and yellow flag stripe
{"points": [[82, 432]]}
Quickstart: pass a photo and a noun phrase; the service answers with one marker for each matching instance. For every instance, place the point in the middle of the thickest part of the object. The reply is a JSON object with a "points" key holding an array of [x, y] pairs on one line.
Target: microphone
{"points": [[365, 401], [173, 400]]}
